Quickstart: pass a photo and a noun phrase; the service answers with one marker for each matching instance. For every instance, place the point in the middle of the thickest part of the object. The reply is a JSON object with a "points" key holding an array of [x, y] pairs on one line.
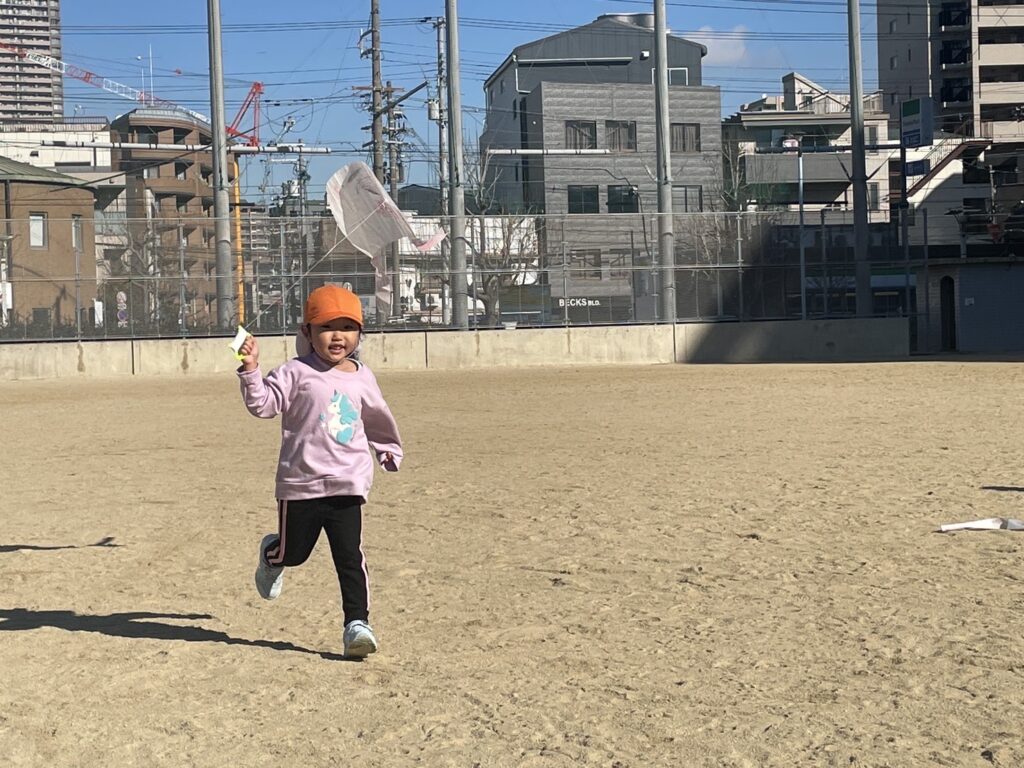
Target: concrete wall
{"points": [[779, 341], [782, 341], [64, 359]]}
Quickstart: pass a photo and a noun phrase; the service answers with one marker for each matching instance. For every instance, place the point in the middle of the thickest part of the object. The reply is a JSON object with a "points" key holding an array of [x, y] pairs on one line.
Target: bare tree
{"points": [[504, 246]]}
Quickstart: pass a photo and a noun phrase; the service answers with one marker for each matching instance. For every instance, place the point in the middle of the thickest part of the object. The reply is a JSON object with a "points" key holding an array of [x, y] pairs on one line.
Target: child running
{"points": [[332, 415]]}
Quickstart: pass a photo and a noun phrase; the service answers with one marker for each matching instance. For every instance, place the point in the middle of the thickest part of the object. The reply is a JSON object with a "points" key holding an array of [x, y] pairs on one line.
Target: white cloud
{"points": [[723, 48]]}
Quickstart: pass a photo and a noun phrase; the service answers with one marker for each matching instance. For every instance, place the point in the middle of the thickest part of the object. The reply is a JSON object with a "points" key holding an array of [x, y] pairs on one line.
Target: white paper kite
{"points": [[988, 524], [369, 219]]}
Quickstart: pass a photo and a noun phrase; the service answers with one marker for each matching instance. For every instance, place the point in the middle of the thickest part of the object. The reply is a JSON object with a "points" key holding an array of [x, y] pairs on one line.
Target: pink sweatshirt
{"points": [[330, 420]]}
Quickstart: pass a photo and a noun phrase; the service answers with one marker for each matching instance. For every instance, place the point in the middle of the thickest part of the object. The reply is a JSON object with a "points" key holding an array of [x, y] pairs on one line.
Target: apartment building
{"points": [[967, 56], [28, 91]]}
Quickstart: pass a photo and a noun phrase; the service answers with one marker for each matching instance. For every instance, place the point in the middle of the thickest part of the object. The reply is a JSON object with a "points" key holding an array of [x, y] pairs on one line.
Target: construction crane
{"points": [[250, 137]]}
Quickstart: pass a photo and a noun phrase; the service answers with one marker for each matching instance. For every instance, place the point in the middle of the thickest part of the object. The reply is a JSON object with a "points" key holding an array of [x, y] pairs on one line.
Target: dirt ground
{"points": [[664, 566]]}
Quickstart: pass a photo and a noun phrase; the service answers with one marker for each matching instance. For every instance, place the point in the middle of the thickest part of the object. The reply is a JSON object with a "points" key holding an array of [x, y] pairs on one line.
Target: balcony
{"points": [[1001, 93], [1001, 55], [169, 185], [955, 58], [1001, 16], [819, 168], [958, 96], [955, 19]]}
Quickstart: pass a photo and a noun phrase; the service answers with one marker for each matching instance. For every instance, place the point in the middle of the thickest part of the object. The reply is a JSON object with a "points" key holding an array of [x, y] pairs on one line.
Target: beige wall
{"points": [[780, 341]]}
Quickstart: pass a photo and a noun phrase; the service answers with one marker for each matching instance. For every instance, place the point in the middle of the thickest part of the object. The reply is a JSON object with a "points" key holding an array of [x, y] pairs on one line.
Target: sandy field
{"points": [[664, 566]]}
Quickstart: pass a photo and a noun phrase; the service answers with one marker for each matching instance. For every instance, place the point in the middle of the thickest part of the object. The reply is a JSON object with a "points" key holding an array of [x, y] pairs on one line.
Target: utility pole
{"points": [[442, 162], [457, 202], [393, 179], [222, 225], [859, 178], [378, 117], [666, 235]]}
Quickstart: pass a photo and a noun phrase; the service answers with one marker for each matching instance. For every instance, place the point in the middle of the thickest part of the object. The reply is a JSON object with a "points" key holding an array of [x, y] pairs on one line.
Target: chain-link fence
{"points": [[121, 278]]}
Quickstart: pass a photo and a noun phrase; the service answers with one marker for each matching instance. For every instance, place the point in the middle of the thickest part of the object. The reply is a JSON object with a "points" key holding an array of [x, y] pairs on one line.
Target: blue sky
{"points": [[306, 54]]}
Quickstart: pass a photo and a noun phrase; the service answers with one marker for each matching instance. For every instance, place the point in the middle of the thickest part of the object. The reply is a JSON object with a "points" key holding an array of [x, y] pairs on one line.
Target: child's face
{"points": [[333, 341]]}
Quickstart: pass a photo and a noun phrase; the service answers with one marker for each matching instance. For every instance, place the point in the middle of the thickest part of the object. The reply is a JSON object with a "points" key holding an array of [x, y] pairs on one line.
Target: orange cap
{"points": [[329, 302]]}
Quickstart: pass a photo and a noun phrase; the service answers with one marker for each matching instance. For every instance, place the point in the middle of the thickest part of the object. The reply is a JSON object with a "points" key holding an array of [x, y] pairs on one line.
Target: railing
{"points": [[955, 17]]}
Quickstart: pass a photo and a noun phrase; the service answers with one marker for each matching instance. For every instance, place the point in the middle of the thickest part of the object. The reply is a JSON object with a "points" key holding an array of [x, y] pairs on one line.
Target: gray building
{"points": [[591, 89], [27, 90]]}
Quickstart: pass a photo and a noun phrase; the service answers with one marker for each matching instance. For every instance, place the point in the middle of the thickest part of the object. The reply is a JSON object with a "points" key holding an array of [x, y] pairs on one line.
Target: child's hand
{"points": [[250, 352], [387, 462]]}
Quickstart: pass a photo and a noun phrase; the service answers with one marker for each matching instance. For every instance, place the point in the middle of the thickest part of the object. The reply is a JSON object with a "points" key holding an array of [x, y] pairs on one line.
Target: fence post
{"points": [[78, 284], [284, 311], [739, 258], [826, 288], [181, 279]]}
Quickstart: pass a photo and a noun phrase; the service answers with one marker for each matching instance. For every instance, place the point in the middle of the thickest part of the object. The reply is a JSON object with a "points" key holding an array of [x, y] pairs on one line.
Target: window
{"points": [[894, 62], [622, 198], [580, 134], [892, 26], [515, 108], [685, 137], [37, 230], [586, 264], [620, 135], [676, 76], [583, 199], [874, 198], [871, 137], [909, 57], [687, 199], [76, 233]]}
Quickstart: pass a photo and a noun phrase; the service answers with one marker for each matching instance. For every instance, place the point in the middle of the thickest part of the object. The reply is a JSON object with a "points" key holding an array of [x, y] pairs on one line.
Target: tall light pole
{"points": [[666, 234], [222, 225], [859, 178], [456, 199]]}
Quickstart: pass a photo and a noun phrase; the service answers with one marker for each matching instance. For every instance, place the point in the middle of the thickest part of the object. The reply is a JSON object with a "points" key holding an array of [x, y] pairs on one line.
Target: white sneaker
{"points": [[269, 579], [359, 640]]}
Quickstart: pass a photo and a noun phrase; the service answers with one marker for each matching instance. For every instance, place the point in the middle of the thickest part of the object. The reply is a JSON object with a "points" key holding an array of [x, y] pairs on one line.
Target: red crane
{"points": [[251, 137]]}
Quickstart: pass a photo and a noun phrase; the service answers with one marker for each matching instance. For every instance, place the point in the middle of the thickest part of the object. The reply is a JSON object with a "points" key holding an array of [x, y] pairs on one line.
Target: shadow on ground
{"points": [[107, 541], [139, 624]]}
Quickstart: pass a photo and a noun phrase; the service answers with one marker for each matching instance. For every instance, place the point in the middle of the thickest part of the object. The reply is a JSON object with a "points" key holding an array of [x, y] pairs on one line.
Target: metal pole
{"points": [[222, 225], [565, 284], [739, 258], [378, 117], [396, 267], [303, 177], [442, 168], [824, 267], [284, 311], [78, 281], [904, 223], [927, 283], [181, 279], [859, 177], [666, 236], [457, 202], [803, 252]]}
